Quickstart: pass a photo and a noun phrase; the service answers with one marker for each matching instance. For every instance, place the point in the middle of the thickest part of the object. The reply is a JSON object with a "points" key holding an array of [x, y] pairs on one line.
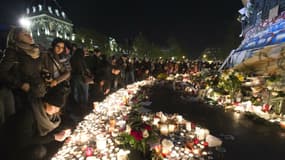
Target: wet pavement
{"points": [[244, 137]]}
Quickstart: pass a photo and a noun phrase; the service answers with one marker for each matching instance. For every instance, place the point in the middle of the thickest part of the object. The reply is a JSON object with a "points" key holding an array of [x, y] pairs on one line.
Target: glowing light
{"points": [[24, 22]]}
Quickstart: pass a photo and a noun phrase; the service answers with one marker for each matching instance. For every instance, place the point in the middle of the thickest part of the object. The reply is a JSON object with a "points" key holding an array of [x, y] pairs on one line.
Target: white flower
{"points": [[145, 134]]}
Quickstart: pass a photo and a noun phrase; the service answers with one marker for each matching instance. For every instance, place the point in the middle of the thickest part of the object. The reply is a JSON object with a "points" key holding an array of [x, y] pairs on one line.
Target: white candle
{"points": [[188, 126], [167, 146], [101, 142], [179, 119], [171, 128], [122, 155], [164, 129], [155, 121]]}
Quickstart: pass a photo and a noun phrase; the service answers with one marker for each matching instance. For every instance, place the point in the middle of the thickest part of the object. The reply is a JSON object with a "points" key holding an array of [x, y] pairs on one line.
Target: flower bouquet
{"points": [[140, 135]]}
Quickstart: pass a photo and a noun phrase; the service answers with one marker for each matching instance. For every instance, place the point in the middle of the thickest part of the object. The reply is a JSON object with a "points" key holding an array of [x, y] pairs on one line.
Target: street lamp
{"points": [[24, 22]]}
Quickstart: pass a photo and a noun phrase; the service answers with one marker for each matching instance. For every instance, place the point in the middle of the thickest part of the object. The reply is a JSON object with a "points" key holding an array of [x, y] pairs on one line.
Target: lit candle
{"points": [[101, 142], [282, 124], [164, 129], [196, 151], [122, 155], [157, 148], [95, 105], [179, 119], [188, 126], [171, 128], [112, 122], [167, 146], [155, 121], [89, 151]]}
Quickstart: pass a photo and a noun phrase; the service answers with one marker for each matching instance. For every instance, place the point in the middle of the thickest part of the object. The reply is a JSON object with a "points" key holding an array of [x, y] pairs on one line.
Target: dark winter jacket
{"points": [[18, 68], [51, 62], [20, 131]]}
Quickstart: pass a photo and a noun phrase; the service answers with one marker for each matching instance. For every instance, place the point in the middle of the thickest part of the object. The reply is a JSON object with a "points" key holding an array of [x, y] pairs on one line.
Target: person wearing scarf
{"points": [[20, 69], [26, 133]]}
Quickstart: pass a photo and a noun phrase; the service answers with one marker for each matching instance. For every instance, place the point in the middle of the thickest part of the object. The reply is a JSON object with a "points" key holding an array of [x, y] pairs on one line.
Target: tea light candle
{"points": [[164, 129]]}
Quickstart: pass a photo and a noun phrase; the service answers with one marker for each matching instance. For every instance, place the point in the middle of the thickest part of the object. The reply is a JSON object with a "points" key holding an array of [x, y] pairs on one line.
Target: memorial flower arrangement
{"points": [[231, 82], [139, 135]]}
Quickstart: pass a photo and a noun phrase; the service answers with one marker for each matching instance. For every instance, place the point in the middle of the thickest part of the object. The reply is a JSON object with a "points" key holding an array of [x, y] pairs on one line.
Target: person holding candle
{"points": [[25, 134]]}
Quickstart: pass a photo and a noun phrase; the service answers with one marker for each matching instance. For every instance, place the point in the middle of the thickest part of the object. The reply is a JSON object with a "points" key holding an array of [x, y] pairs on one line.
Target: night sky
{"points": [[194, 24]]}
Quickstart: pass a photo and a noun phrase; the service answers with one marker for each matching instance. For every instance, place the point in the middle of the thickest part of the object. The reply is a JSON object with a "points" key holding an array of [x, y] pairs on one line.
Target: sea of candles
{"points": [[92, 139]]}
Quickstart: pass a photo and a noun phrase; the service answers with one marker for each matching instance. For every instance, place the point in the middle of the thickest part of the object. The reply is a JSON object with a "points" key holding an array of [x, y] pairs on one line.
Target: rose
{"points": [[137, 135], [147, 127]]}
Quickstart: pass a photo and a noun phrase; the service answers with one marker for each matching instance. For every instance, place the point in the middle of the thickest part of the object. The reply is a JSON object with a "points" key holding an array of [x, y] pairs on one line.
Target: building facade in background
{"points": [[47, 20]]}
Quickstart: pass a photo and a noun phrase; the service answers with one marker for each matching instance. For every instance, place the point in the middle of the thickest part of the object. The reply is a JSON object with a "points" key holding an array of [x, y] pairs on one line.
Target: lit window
{"points": [[63, 14], [73, 37], [34, 9], [49, 9], [56, 12], [28, 10], [40, 7]]}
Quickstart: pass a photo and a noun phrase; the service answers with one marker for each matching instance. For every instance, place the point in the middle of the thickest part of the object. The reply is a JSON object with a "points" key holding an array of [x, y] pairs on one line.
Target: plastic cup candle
{"points": [[101, 142], [95, 105], [155, 121], [179, 119], [200, 134], [282, 124], [112, 123], [188, 126], [196, 151], [89, 151], [171, 128], [84, 138], [167, 146], [122, 155], [164, 129]]}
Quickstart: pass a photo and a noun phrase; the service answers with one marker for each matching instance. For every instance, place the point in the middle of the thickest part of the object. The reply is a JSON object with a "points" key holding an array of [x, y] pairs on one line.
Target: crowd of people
{"points": [[38, 86]]}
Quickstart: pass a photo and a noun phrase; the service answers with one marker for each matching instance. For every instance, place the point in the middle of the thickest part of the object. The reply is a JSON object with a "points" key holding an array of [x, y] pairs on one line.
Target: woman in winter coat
{"points": [[58, 72], [21, 67]]}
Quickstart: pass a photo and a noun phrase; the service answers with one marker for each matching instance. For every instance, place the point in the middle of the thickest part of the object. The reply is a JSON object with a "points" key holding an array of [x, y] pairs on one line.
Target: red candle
{"points": [[89, 151]]}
